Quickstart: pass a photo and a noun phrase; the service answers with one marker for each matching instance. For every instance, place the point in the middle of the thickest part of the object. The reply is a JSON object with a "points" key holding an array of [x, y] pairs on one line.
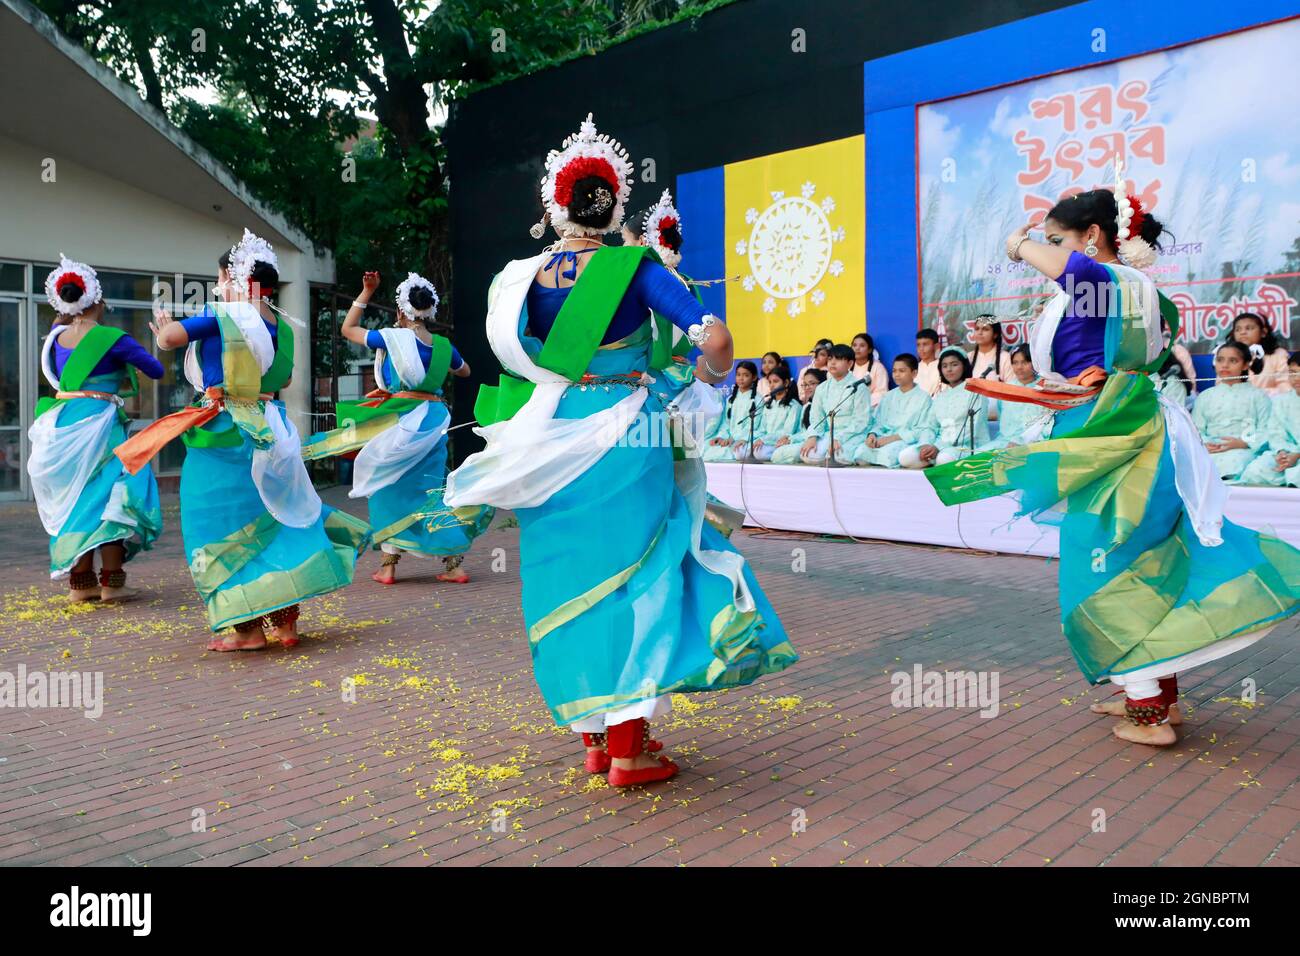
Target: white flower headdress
{"points": [[662, 217], [247, 252], [1132, 248], [414, 281], [79, 275], [584, 153]]}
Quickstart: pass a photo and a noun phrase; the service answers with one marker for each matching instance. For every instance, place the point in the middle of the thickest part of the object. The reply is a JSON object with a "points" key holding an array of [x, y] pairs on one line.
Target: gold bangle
{"points": [[1013, 252]]}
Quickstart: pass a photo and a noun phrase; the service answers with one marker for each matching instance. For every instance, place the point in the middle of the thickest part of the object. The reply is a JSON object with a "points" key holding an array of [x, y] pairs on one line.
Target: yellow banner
{"points": [[795, 226]]}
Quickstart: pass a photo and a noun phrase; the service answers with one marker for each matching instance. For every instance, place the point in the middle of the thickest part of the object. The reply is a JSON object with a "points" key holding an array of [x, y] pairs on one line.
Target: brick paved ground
{"points": [[448, 734]]}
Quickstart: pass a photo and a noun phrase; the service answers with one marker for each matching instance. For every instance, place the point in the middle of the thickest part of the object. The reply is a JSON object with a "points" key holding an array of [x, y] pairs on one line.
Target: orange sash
{"points": [[1085, 387], [378, 396], [139, 449]]}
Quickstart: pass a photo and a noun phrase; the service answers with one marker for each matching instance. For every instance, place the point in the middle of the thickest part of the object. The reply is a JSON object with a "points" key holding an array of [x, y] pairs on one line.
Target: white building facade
{"points": [[90, 170]]}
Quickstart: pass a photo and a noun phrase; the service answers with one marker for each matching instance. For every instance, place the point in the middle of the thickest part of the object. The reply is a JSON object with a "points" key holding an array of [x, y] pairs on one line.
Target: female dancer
{"points": [[86, 502], [660, 228], [1233, 417], [258, 538], [401, 430], [628, 594], [1153, 580], [953, 414]]}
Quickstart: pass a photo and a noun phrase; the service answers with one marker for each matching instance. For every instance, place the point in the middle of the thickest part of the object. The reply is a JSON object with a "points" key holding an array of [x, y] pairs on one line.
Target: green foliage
{"points": [[292, 80]]}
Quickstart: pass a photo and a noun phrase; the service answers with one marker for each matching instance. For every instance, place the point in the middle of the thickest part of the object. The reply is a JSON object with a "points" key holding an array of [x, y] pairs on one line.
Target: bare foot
{"points": [[255, 641], [286, 634], [82, 595], [387, 574], [452, 577], [1159, 735], [117, 595], [1115, 708]]}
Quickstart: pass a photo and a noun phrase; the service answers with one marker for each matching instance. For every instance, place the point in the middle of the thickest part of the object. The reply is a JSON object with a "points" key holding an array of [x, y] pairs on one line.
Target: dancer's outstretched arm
{"points": [[352, 330]]}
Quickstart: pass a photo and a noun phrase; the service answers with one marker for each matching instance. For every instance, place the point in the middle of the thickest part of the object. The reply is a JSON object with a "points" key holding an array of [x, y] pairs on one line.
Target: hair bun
{"points": [[71, 291], [420, 298]]}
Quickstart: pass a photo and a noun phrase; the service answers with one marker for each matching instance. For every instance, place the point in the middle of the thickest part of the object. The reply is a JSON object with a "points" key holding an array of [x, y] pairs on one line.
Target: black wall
{"points": [[723, 88]]}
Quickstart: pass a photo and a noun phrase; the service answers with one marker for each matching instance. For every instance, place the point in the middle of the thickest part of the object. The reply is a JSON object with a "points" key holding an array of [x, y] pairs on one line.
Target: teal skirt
{"points": [[114, 507], [430, 528], [618, 602], [244, 563]]}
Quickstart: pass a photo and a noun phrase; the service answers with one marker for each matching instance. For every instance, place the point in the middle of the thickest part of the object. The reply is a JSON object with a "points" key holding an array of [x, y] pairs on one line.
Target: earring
{"points": [[1090, 250]]}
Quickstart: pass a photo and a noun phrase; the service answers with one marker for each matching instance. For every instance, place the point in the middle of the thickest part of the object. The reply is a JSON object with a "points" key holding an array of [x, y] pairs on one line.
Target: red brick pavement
{"points": [[448, 756]]}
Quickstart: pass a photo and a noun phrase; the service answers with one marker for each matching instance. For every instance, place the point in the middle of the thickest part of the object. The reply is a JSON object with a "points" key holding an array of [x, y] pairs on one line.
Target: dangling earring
{"points": [[1090, 250]]}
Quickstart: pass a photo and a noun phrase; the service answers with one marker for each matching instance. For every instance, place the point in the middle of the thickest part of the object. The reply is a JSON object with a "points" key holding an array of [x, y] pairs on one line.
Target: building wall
{"points": [[118, 227]]}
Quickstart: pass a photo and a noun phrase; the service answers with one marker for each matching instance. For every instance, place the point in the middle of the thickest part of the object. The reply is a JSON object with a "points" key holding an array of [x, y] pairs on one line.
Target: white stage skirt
{"points": [[900, 505]]}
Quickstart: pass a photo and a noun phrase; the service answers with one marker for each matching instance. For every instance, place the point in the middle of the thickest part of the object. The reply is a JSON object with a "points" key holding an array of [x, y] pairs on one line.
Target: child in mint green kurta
{"points": [[849, 399], [1279, 463], [1233, 416], [950, 416], [779, 416], [787, 453], [732, 427], [1020, 423], [902, 418]]}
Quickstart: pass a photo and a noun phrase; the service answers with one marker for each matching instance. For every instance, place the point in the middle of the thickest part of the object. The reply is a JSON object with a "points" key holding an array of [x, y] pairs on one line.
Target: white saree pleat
{"points": [[392, 453], [63, 459]]}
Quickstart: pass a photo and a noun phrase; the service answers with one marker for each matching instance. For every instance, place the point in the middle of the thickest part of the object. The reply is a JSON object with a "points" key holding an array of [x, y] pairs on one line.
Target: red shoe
{"points": [[446, 578], [597, 760], [630, 739], [618, 777]]}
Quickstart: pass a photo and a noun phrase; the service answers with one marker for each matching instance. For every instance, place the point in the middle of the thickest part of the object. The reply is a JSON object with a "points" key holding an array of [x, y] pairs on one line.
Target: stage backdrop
{"points": [[794, 247], [1208, 137]]}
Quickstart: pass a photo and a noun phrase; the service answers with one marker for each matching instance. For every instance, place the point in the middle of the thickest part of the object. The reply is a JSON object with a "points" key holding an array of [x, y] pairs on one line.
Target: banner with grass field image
{"points": [[1209, 136]]}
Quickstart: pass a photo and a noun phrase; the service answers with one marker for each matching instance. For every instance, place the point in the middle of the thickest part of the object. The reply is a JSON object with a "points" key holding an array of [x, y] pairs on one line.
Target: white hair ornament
{"points": [[78, 274]]}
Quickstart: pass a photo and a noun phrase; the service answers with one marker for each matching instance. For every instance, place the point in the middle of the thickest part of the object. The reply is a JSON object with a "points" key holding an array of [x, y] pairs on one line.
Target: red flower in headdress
{"points": [[581, 168], [1139, 216], [71, 278]]}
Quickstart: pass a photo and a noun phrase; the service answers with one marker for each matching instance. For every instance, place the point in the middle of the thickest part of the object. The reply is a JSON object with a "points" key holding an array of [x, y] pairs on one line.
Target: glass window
{"points": [[126, 285], [11, 360], [11, 277]]}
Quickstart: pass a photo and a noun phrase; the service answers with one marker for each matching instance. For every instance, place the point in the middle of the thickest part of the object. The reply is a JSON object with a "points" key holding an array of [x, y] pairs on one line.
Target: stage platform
{"points": [[900, 505]]}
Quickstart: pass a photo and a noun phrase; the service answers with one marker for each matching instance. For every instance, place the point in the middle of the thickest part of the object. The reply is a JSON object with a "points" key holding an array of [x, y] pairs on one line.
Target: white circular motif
{"points": [[808, 190], [740, 247], [794, 308], [750, 215], [818, 297], [749, 283], [789, 247], [769, 304]]}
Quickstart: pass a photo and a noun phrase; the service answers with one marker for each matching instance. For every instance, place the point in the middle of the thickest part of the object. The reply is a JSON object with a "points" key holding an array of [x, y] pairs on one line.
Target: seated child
{"points": [[1020, 423], [927, 359], [1233, 416], [770, 361], [849, 400], [951, 416], [780, 413], [1279, 464], [787, 452], [903, 418], [732, 427]]}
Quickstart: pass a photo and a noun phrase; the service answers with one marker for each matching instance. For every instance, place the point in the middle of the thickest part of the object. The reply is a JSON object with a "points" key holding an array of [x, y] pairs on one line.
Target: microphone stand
{"points": [[829, 461], [749, 453]]}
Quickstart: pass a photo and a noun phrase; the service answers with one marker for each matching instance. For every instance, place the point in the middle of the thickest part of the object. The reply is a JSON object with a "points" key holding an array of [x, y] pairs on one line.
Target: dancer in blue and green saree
{"points": [[1153, 580], [258, 538], [86, 501], [400, 431], [629, 593]]}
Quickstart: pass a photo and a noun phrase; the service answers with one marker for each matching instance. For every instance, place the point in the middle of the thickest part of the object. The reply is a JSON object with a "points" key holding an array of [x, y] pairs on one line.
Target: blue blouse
{"points": [[1081, 336], [652, 287], [125, 351], [205, 330], [376, 341]]}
